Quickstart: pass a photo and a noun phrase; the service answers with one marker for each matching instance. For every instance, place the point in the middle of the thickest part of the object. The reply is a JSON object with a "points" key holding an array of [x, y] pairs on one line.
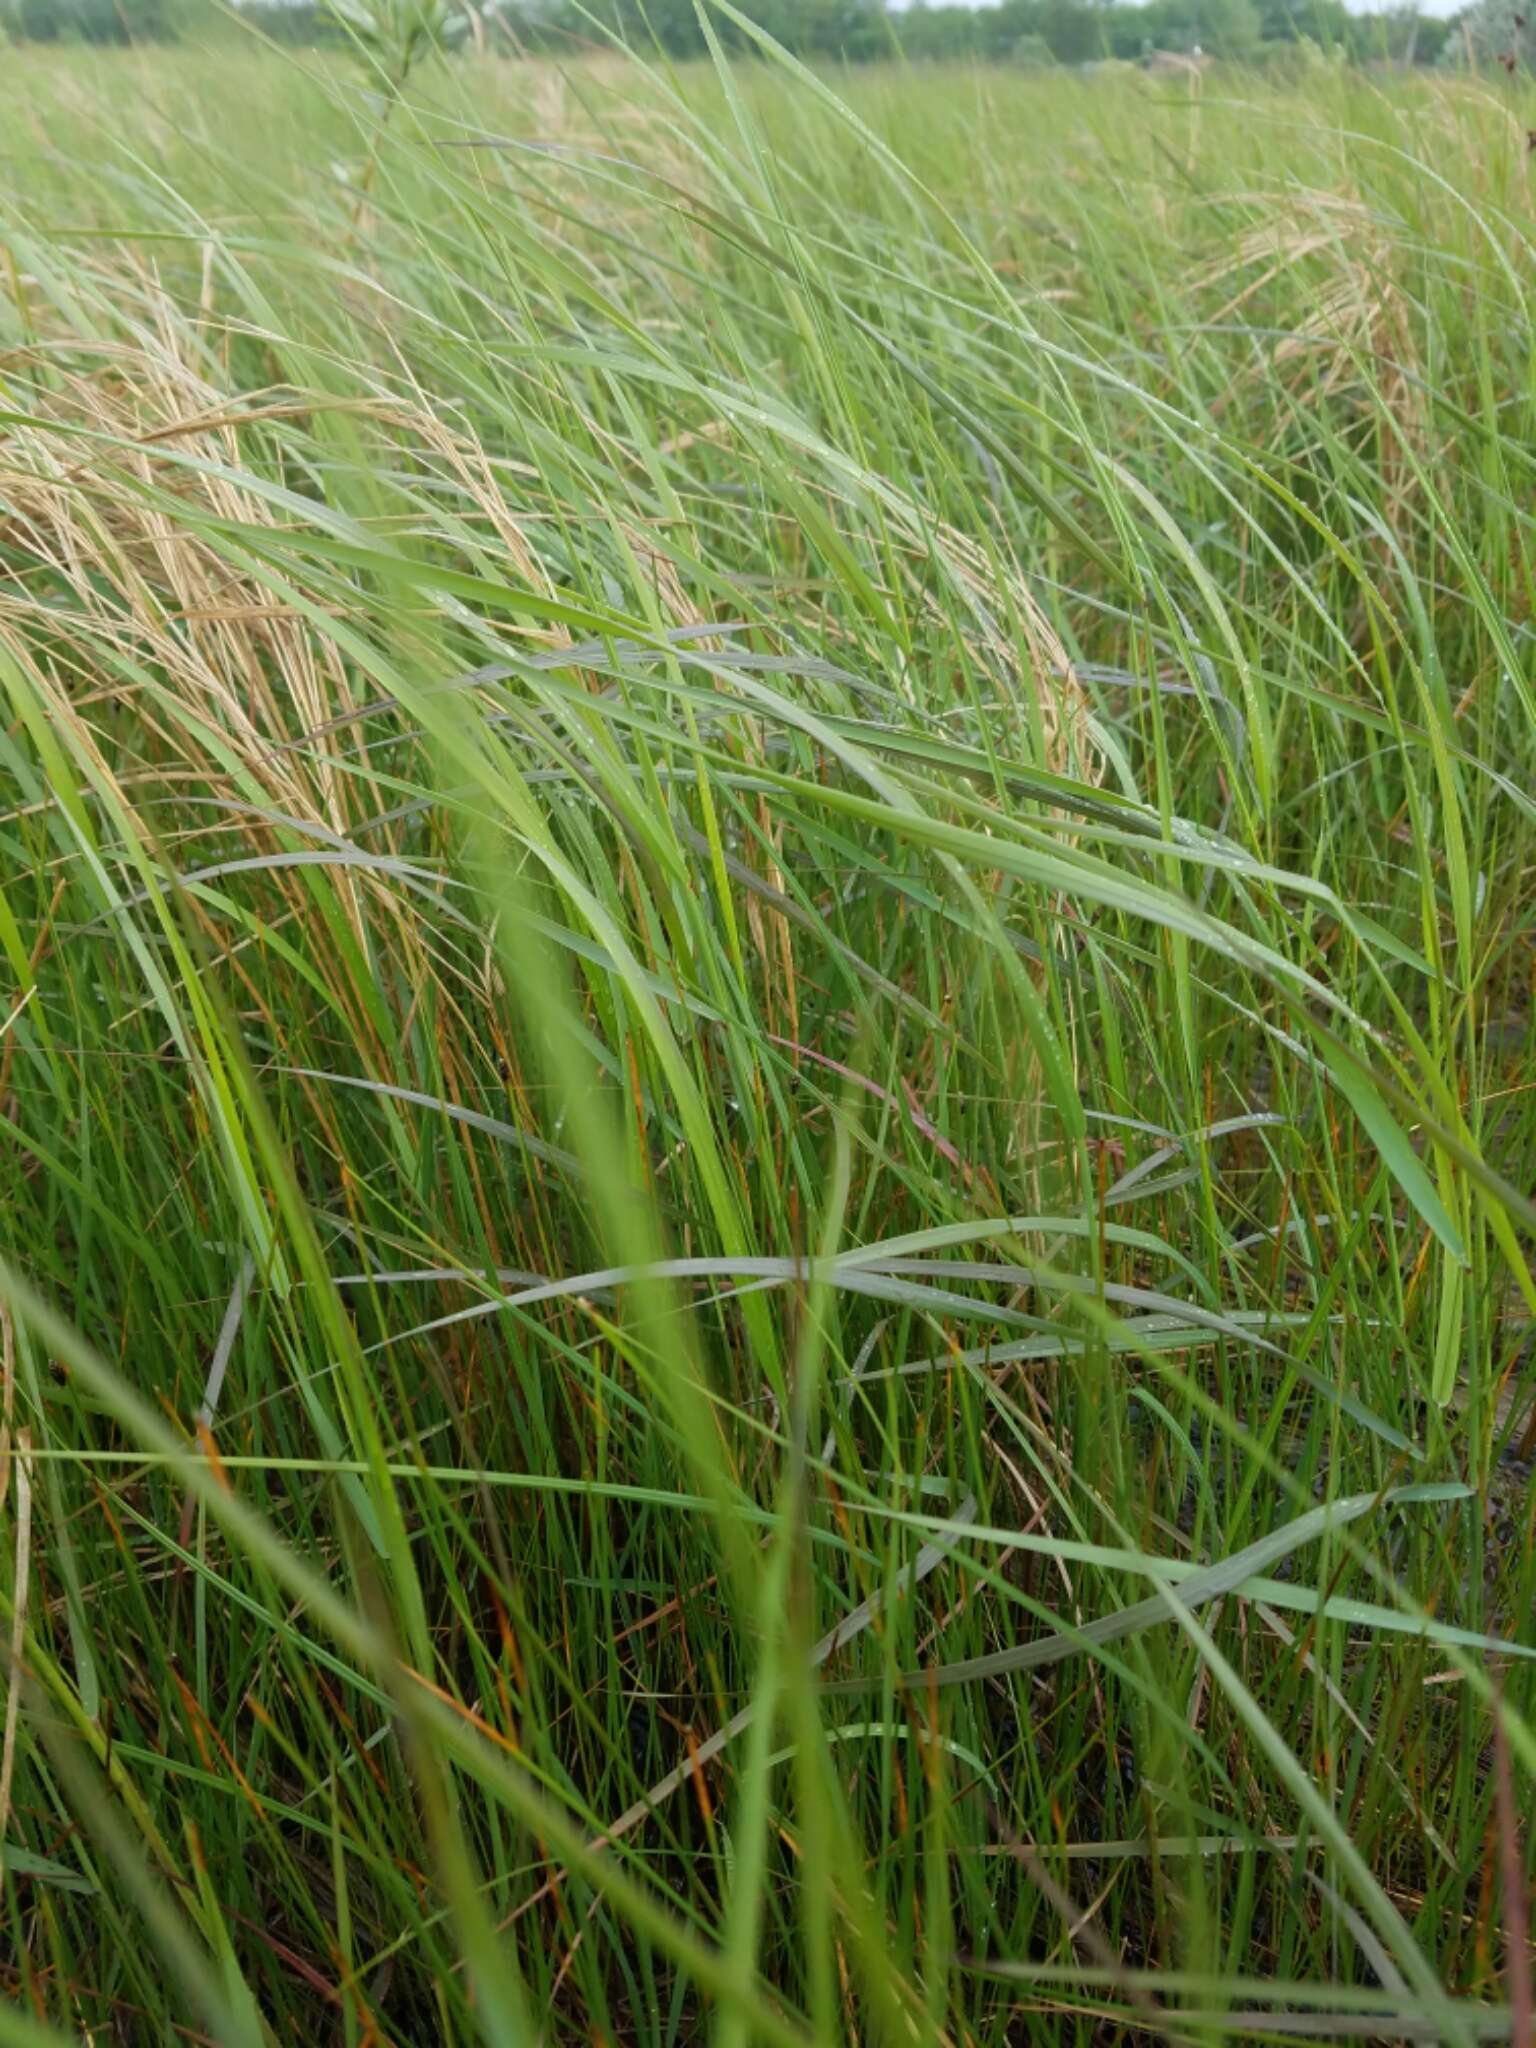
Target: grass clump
{"points": [[766, 1056]]}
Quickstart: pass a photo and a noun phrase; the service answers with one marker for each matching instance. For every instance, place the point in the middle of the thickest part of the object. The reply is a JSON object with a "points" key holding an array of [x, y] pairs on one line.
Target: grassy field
{"points": [[766, 976]]}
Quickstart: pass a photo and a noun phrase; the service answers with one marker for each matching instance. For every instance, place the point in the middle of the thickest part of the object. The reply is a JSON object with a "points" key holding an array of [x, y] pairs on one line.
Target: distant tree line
{"points": [[1036, 32], [1070, 32], [87, 21], [1016, 32]]}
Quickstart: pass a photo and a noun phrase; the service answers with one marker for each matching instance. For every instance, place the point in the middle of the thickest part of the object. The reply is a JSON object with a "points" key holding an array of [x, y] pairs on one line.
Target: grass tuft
{"points": [[765, 1045]]}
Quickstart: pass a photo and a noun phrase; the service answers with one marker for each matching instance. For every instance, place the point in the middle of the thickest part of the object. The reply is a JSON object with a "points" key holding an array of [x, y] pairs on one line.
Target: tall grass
{"points": [[766, 1053]]}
